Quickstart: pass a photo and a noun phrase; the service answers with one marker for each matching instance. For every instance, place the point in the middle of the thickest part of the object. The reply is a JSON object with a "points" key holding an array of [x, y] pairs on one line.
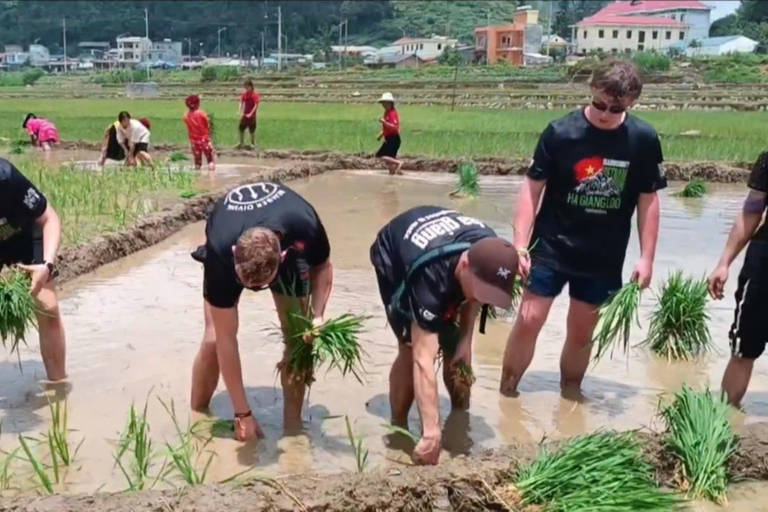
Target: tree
{"points": [[450, 57]]}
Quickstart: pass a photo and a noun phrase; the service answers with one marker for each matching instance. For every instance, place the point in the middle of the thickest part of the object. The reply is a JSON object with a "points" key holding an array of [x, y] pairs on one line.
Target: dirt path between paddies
{"points": [[478, 482]]}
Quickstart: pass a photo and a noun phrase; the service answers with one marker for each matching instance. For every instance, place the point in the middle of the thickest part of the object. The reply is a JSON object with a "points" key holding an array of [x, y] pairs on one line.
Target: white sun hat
{"points": [[387, 96]]}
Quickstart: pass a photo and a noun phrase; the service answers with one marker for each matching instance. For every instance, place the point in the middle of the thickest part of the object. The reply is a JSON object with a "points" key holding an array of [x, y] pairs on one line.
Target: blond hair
{"points": [[257, 255]]}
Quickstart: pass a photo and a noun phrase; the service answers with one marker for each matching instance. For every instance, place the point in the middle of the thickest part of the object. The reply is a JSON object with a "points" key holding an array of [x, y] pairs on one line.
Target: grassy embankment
{"points": [[433, 131]]}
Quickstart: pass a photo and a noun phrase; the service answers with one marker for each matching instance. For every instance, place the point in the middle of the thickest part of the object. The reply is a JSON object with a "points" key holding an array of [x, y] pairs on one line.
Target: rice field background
{"points": [[726, 136]]}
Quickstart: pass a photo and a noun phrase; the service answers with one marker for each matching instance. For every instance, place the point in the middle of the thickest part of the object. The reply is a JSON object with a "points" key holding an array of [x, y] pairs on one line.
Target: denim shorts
{"points": [[545, 281]]}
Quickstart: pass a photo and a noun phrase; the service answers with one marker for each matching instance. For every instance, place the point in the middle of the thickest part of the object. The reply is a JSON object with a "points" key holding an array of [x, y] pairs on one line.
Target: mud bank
{"points": [[478, 482], [78, 260]]}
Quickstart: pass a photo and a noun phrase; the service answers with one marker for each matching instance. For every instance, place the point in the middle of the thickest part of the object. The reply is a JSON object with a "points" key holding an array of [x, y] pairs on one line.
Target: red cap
{"points": [[493, 265]]}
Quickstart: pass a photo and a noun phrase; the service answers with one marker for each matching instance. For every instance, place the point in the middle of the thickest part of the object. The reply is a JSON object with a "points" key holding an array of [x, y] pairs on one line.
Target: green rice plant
{"points": [[18, 146], [5, 466], [188, 194], [135, 439], [468, 182], [616, 316], [461, 374], [679, 326], [602, 471], [58, 437], [694, 188], [17, 307], [700, 437], [361, 456], [177, 156], [37, 466], [186, 455], [394, 429]]}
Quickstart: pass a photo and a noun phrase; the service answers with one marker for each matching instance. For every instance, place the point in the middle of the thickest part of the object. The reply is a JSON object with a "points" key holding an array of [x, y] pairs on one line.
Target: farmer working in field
{"points": [[30, 232], [594, 167], [248, 110], [199, 130], [390, 132], [749, 331], [262, 235], [436, 268], [42, 133], [110, 147], [133, 136]]}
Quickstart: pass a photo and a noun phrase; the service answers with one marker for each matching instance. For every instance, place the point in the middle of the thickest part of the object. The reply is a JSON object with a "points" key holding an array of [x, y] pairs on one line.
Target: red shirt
{"points": [[198, 126], [391, 117], [249, 99]]}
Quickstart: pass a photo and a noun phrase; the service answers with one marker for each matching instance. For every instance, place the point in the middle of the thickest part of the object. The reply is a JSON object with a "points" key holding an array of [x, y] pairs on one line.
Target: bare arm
{"points": [[467, 316], [51, 225], [253, 112], [648, 225], [425, 347], [225, 324], [527, 204], [745, 226], [321, 283]]}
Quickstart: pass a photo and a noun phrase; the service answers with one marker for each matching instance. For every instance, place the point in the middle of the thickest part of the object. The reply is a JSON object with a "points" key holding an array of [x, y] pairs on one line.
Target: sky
{"points": [[722, 8]]}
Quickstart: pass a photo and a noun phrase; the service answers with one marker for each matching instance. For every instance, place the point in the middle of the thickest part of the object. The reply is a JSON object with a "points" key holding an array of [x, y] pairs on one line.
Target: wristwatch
{"points": [[53, 272]]}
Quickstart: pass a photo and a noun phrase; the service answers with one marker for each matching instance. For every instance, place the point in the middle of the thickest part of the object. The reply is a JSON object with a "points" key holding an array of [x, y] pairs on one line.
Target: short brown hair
{"points": [[618, 78], [257, 255], [249, 83]]}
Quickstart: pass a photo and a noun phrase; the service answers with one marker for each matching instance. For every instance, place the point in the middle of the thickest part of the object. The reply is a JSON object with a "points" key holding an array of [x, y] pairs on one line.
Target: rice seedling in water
{"points": [[699, 435], [188, 194], [135, 439], [58, 438], [616, 317], [394, 429], [468, 182], [461, 374], [600, 471], [5, 466], [37, 466], [17, 307], [18, 147], [185, 456], [694, 188], [679, 326], [361, 456], [177, 156]]}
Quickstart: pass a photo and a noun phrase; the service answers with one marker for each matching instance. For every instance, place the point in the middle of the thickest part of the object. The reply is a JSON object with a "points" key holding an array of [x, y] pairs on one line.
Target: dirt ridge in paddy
{"points": [[477, 482]]}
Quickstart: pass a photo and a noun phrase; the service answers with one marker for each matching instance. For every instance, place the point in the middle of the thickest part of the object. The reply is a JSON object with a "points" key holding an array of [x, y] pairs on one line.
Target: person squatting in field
{"points": [[259, 236], [435, 269], [133, 135], [390, 132], [199, 131], [110, 147], [248, 110], [42, 133], [30, 233], [594, 167]]}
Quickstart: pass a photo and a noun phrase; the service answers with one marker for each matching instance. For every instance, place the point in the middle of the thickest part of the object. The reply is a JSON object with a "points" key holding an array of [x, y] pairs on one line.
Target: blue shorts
{"points": [[548, 282]]}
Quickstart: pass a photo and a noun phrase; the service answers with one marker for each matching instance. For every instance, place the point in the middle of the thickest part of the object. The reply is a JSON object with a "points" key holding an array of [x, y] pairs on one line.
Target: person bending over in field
{"points": [[594, 167], [133, 136], [110, 147], [390, 132], [42, 133], [199, 130], [749, 331], [435, 269], [259, 236], [30, 232], [248, 110]]}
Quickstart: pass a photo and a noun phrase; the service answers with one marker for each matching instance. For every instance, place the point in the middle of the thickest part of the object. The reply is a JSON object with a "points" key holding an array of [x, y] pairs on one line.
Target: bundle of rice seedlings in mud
{"points": [[461, 374], [177, 156], [694, 188], [700, 437], [600, 471], [679, 325], [334, 344], [616, 316], [18, 146], [17, 307], [468, 182]]}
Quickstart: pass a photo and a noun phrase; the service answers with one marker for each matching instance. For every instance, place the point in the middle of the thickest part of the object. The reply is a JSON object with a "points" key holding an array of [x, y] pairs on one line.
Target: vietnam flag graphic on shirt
{"points": [[588, 168]]}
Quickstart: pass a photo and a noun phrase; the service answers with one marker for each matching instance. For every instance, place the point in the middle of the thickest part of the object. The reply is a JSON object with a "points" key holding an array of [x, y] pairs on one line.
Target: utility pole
{"points": [[189, 40], [549, 30], [279, 38], [221, 29], [346, 40], [146, 35], [64, 33], [261, 63]]}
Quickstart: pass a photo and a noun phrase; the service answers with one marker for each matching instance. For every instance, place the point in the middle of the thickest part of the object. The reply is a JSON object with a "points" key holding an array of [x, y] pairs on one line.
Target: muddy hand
{"points": [[427, 451], [247, 429], [40, 275], [716, 282]]}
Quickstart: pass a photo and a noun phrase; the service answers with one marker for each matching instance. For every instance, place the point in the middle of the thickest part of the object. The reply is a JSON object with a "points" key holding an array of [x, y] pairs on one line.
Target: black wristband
{"points": [[240, 416]]}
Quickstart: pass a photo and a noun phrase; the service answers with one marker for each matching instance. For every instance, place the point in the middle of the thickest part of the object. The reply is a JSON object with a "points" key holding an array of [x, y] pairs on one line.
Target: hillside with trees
{"points": [[751, 20]]}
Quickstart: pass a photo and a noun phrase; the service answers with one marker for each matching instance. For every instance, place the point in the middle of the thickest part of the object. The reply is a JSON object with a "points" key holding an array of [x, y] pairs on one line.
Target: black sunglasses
{"points": [[613, 109]]}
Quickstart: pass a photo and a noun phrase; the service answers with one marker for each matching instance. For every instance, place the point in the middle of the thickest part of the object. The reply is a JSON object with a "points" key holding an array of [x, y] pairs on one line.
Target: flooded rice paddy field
{"points": [[133, 328]]}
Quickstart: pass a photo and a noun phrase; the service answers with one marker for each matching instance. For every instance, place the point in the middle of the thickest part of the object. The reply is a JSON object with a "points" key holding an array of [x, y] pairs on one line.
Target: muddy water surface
{"points": [[134, 326]]}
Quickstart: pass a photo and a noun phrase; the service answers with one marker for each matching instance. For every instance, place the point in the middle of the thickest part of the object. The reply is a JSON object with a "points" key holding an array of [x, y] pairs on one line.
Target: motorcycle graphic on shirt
{"points": [[599, 184]]}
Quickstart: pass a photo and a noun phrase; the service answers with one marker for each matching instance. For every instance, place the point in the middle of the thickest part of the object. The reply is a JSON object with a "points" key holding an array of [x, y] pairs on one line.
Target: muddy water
{"points": [[133, 329]]}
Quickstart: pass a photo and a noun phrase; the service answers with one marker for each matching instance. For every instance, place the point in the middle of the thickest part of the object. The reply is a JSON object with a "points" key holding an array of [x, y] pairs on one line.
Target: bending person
{"points": [[42, 133], [133, 135], [110, 147]]}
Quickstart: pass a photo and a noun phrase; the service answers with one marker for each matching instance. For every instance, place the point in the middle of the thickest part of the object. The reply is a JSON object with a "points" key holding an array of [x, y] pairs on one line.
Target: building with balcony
{"points": [[166, 51], [132, 51], [509, 43]]}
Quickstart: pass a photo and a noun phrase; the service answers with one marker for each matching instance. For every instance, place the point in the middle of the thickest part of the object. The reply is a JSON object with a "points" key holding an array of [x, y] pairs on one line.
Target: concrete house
{"points": [[132, 51], [166, 51], [427, 49], [510, 43]]}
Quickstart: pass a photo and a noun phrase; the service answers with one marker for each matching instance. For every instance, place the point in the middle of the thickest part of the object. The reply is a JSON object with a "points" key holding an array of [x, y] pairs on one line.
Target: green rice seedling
{"points": [[616, 317], [177, 156], [461, 373], [222, 428], [361, 456], [5, 466], [136, 440], [37, 466], [694, 188], [601, 471], [679, 326], [58, 438], [17, 307], [468, 182], [185, 456], [18, 147], [700, 437], [394, 429], [188, 194]]}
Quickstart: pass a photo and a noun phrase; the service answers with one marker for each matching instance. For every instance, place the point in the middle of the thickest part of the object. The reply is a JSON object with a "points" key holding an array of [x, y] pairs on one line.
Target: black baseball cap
{"points": [[493, 265]]}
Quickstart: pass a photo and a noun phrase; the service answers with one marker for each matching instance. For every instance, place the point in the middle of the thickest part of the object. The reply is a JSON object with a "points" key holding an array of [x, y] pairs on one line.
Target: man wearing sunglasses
{"points": [[594, 167], [262, 235]]}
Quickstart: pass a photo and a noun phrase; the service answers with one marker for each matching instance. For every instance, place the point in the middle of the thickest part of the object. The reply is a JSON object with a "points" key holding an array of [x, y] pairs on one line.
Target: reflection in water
{"points": [[135, 325]]}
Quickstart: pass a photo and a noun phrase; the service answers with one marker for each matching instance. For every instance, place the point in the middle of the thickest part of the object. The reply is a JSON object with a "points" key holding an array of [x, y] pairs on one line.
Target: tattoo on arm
{"points": [[755, 202]]}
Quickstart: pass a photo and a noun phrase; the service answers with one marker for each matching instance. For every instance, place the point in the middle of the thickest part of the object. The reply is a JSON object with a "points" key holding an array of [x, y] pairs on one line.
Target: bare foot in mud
{"points": [[508, 386], [572, 393], [399, 169]]}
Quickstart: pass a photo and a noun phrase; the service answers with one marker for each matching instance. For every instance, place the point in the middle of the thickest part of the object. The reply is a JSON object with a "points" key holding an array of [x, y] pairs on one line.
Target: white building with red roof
{"points": [[627, 26]]}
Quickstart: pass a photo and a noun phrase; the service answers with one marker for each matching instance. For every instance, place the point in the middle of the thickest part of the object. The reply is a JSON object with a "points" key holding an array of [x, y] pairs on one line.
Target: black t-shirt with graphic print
{"points": [[593, 181], [269, 205], [21, 203], [756, 259], [433, 295]]}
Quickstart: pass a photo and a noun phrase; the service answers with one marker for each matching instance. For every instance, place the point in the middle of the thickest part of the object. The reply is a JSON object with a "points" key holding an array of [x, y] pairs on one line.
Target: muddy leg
{"points": [[53, 348], [401, 394], [736, 379], [293, 390], [574, 360], [205, 372]]}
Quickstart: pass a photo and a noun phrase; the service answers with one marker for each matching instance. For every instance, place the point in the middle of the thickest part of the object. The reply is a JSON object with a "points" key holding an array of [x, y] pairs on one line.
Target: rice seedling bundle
{"points": [[135, 439], [616, 316], [334, 344], [177, 156], [602, 471], [17, 307], [468, 182], [694, 188], [700, 437], [679, 325], [461, 373]]}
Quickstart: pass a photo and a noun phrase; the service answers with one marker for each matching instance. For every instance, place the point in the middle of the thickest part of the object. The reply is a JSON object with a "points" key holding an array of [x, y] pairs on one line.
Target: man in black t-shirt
{"points": [[594, 166], [262, 235], [435, 268], [749, 332], [30, 233]]}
